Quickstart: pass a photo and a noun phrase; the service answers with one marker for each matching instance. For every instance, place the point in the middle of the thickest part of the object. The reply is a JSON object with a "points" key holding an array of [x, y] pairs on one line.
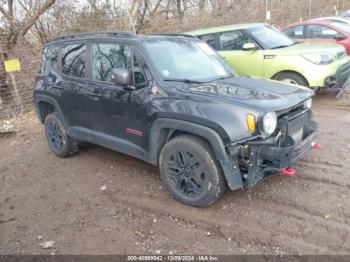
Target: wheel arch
{"points": [[290, 71], [165, 129], [45, 105]]}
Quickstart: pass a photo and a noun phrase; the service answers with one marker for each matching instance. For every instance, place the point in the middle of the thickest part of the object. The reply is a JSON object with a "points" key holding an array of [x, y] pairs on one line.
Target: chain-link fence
{"points": [[16, 88]]}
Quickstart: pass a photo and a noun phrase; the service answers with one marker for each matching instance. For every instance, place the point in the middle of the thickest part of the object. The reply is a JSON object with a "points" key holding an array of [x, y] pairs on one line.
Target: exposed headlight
{"points": [[308, 103], [269, 123], [320, 59]]}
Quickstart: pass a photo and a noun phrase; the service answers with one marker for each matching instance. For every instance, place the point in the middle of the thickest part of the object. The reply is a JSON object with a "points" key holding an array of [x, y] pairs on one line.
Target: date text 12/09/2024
{"points": [[173, 258]]}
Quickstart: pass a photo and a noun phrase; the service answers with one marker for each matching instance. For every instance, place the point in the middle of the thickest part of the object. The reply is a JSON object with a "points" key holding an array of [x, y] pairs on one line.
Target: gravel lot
{"points": [[45, 198]]}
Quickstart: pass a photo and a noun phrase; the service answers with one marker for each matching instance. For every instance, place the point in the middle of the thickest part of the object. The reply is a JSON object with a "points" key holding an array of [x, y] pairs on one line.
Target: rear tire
{"points": [[190, 172], [57, 137], [291, 78]]}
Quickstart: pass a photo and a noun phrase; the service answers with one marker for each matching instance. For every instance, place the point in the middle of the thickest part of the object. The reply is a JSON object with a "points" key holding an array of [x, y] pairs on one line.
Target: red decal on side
{"points": [[134, 132]]}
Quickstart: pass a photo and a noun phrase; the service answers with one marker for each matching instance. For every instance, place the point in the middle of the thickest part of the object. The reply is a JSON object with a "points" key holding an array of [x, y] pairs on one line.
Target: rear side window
{"points": [[210, 39], [233, 40], [295, 32], [74, 60], [108, 56], [50, 59]]}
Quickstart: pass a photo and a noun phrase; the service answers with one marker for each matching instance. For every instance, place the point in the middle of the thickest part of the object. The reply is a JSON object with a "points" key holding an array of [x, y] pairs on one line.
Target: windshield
{"points": [[341, 26], [269, 37], [186, 59]]}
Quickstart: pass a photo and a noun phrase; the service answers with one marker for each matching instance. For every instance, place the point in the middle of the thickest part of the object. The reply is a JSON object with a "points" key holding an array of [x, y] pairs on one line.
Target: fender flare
{"points": [[158, 137], [50, 100]]}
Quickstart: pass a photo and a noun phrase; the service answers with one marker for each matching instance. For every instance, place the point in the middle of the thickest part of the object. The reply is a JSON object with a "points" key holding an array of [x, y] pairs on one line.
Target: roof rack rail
{"points": [[108, 34], [170, 34]]}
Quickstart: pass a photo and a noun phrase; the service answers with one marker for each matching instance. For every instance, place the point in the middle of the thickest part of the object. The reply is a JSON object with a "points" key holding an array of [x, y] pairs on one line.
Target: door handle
{"points": [[57, 87], [95, 94]]}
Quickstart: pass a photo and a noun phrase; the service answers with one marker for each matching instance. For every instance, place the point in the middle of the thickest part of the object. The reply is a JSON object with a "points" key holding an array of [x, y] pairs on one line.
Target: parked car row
{"points": [[261, 51], [206, 118]]}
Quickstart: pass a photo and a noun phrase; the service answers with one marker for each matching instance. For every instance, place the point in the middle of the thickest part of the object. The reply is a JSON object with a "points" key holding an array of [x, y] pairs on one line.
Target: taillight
{"points": [[35, 78]]}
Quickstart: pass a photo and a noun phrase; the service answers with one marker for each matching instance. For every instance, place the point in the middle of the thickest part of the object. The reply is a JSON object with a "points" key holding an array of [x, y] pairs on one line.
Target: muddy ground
{"points": [[43, 197]]}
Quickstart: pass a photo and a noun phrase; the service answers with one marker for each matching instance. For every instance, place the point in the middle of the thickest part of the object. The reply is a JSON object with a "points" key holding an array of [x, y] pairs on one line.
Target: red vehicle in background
{"points": [[320, 31]]}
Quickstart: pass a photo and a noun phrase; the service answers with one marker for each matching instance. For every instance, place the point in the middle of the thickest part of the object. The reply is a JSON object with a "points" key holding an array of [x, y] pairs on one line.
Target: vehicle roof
{"points": [[113, 35], [217, 29], [312, 22], [334, 18]]}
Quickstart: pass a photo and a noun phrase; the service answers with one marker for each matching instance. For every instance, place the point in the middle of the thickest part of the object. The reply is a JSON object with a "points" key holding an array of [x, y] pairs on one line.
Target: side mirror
{"points": [[249, 46], [339, 37], [121, 76]]}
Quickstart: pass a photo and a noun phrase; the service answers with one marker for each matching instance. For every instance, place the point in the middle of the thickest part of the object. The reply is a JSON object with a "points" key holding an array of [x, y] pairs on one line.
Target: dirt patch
{"points": [[45, 198]]}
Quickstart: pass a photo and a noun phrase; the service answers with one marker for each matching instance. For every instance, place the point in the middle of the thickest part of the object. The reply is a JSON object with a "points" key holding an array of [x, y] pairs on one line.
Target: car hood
{"points": [[266, 95], [309, 48]]}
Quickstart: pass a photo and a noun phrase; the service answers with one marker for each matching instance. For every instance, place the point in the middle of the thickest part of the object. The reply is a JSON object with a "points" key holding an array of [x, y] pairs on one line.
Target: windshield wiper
{"points": [[184, 80], [280, 46], [222, 78]]}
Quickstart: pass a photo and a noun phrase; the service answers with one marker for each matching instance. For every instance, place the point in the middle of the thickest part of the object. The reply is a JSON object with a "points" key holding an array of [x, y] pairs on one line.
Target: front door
{"points": [[117, 114], [245, 63]]}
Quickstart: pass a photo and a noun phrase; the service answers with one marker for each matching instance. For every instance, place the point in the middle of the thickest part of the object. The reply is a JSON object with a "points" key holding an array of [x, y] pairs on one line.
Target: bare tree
{"points": [[17, 25]]}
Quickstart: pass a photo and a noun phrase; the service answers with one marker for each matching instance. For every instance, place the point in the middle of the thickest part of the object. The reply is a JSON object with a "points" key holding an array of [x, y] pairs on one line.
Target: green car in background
{"points": [[261, 51]]}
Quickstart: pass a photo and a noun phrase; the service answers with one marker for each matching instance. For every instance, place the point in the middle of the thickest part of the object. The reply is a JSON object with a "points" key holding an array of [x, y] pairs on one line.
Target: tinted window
{"points": [[73, 60], [210, 39], [51, 57], [109, 56], [318, 31], [295, 32], [233, 40]]}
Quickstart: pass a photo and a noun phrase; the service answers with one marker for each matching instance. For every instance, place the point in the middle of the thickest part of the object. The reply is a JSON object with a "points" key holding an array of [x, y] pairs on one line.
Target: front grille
{"points": [[291, 126], [296, 123], [343, 74]]}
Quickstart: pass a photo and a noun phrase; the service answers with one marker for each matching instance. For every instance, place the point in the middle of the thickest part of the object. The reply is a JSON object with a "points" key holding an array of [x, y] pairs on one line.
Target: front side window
{"points": [[179, 58], [73, 60], [108, 56], [233, 40], [318, 31], [295, 32]]}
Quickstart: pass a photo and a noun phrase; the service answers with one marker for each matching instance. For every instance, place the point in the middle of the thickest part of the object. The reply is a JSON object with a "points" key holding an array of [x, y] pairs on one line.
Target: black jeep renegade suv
{"points": [[171, 101]]}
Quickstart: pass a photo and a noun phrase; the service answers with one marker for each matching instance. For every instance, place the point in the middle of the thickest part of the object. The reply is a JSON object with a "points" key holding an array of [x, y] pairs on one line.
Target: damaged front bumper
{"points": [[340, 81], [252, 161]]}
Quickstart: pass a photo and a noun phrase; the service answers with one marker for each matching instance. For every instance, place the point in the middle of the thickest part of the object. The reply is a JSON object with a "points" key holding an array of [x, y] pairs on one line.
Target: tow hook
{"points": [[288, 171], [315, 145]]}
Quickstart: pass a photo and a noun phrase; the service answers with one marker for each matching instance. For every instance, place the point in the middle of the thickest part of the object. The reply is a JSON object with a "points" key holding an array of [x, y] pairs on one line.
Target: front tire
{"points": [[57, 137], [291, 78], [190, 172]]}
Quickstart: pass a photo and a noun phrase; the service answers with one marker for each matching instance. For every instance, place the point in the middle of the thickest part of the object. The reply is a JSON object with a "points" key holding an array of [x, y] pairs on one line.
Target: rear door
{"points": [[72, 89], [245, 63]]}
